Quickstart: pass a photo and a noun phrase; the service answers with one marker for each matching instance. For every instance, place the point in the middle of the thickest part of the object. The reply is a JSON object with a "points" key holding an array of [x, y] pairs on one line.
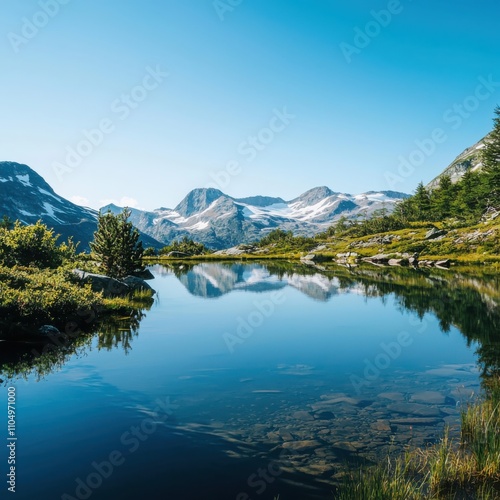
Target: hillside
{"points": [[468, 160], [26, 196]]}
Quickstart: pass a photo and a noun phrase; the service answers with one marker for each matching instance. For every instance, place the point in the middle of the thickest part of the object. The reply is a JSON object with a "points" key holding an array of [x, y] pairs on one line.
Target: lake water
{"points": [[248, 381]]}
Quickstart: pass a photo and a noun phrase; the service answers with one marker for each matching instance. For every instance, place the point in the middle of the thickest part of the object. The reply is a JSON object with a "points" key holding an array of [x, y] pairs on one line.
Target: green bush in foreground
{"points": [[33, 245], [35, 295]]}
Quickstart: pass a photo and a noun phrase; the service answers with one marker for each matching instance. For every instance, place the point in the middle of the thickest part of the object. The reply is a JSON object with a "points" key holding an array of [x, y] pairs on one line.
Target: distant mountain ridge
{"points": [[218, 220], [206, 215]]}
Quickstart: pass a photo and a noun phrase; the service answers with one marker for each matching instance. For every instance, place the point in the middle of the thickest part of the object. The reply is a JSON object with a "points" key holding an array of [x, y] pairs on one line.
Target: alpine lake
{"points": [[252, 380]]}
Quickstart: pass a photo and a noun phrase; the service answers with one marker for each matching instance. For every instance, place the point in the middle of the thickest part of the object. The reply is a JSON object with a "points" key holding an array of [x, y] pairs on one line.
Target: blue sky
{"points": [[268, 97]]}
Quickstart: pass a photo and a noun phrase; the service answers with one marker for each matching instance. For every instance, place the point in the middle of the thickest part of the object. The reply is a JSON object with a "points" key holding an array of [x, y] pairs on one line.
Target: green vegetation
{"points": [[469, 468], [33, 295], [185, 246], [37, 285], [491, 162], [116, 246]]}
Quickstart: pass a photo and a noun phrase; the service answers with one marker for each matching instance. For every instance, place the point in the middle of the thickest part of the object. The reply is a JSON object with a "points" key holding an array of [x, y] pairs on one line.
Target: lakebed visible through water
{"points": [[247, 381]]}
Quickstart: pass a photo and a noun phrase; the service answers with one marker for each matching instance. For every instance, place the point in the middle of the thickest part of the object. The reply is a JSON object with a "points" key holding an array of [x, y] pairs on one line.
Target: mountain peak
{"points": [[198, 200], [314, 195], [22, 176]]}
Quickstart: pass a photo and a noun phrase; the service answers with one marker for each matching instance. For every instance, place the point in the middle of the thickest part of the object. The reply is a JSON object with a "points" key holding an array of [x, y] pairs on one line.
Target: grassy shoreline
{"points": [[466, 468], [471, 245]]}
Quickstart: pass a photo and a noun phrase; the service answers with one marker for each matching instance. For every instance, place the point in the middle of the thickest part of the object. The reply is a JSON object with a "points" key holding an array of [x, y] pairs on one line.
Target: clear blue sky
{"points": [[352, 120]]}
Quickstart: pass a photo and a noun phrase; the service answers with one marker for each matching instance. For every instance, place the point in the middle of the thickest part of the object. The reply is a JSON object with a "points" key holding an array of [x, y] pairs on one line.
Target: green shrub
{"points": [[34, 295], [33, 245]]}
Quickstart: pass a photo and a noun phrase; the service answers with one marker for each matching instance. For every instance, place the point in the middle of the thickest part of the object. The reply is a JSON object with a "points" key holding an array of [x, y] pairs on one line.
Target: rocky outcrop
{"points": [[434, 233], [111, 287], [137, 284]]}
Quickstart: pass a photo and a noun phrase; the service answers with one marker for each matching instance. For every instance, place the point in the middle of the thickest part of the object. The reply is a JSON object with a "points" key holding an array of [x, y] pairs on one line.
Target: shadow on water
{"points": [[34, 354]]}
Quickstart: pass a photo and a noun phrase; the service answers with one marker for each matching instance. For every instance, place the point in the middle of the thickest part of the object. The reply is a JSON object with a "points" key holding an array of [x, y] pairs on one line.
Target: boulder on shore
{"points": [[137, 284], [111, 287]]}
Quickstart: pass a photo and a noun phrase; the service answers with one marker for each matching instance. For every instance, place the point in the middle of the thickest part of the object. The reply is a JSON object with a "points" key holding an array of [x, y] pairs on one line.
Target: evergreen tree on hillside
{"points": [[116, 245], [443, 197], [469, 200], [421, 203], [491, 162], [6, 223]]}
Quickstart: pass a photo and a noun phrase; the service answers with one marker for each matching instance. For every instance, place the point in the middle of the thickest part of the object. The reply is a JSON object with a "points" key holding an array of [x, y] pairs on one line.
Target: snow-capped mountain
{"points": [[25, 196], [206, 215], [221, 221]]}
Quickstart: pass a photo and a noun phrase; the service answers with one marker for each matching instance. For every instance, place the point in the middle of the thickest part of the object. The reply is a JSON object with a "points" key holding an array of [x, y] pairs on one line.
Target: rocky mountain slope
{"points": [[220, 221], [25, 195], [470, 159]]}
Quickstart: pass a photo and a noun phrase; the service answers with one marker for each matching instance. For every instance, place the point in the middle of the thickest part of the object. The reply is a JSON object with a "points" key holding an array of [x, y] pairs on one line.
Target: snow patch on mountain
{"points": [[24, 180]]}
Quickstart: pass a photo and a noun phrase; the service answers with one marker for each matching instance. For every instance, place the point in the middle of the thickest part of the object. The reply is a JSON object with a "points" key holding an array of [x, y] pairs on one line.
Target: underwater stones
{"points": [[381, 426], [415, 409], [429, 397], [304, 445], [416, 421], [324, 415], [393, 396], [303, 415]]}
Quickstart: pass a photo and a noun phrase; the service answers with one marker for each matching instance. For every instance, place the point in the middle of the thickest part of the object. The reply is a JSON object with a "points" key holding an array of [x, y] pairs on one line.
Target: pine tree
{"points": [[422, 203], [6, 223], [442, 198], [116, 245], [491, 162], [469, 201]]}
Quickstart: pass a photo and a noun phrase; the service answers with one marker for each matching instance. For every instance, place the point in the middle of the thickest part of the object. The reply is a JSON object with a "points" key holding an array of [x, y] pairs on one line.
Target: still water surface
{"points": [[248, 381]]}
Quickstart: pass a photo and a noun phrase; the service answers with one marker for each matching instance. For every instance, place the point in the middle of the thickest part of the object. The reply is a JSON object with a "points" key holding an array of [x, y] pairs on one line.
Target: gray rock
{"points": [[109, 287], [137, 284], [434, 233], [145, 275], [178, 254], [310, 256], [379, 258], [396, 262], [443, 263], [48, 330]]}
